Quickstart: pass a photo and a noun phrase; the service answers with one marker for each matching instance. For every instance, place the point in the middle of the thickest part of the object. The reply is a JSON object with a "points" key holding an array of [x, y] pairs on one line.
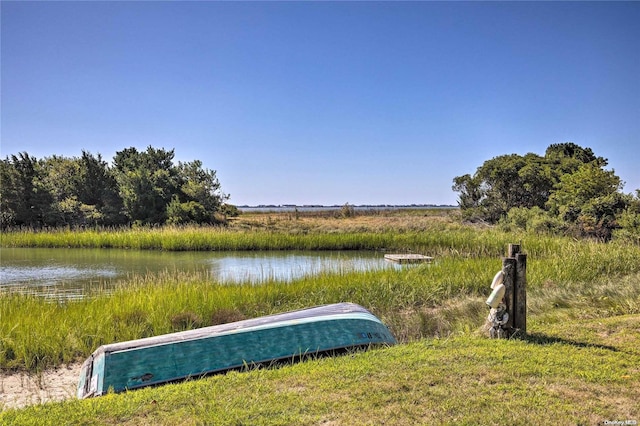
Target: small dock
{"points": [[408, 258]]}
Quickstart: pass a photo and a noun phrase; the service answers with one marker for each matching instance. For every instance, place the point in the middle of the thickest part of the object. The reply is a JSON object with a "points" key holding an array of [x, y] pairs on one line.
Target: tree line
{"points": [[139, 188], [567, 190]]}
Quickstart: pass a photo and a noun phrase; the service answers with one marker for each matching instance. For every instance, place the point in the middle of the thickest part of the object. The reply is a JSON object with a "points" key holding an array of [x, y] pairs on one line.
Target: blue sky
{"points": [[324, 102]]}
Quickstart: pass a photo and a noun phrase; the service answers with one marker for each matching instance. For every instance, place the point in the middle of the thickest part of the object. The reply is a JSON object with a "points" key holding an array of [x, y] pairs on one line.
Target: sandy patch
{"points": [[21, 389]]}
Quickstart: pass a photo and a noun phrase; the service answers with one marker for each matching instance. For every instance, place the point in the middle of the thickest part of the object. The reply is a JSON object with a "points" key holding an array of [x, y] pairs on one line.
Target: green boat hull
{"points": [[194, 353]]}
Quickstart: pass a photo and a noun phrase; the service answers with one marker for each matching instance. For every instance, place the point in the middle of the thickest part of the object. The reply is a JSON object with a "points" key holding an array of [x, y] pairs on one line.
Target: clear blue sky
{"points": [[324, 102]]}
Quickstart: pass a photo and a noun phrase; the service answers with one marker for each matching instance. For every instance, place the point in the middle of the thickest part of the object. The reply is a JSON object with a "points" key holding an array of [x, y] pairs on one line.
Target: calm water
{"points": [[71, 273]]}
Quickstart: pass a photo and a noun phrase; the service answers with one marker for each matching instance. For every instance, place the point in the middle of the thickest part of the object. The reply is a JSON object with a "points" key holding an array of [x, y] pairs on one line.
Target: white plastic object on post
{"points": [[497, 279], [496, 296]]}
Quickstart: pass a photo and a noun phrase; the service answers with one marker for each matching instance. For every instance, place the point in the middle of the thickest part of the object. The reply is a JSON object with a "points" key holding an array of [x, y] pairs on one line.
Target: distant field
{"points": [[334, 208]]}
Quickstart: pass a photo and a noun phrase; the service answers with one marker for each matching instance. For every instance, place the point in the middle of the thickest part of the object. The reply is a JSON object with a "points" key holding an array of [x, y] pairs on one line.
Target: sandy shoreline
{"points": [[21, 389]]}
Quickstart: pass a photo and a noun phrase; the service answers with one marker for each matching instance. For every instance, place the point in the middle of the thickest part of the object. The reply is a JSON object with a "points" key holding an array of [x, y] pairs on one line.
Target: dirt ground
{"points": [[21, 389]]}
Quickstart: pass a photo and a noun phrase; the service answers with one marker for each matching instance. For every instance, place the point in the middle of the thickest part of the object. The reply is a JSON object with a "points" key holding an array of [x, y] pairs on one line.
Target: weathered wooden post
{"points": [[509, 269], [508, 314], [520, 294]]}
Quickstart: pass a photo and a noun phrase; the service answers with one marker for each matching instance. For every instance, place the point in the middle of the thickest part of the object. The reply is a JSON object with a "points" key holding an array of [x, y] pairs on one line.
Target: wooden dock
{"points": [[408, 258]]}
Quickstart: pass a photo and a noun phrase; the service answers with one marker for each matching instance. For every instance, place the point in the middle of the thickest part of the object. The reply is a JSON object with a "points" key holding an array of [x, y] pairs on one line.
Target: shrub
{"points": [[229, 210], [629, 222], [185, 321], [534, 220], [224, 316], [347, 211], [190, 212], [548, 225]]}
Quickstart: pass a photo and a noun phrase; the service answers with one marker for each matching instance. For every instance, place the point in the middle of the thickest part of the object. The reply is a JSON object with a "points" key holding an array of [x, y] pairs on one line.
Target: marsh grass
{"points": [[578, 361], [439, 299], [565, 277], [440, 235]]}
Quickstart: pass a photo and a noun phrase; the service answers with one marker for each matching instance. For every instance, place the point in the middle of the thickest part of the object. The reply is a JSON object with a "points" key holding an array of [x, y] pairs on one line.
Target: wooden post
{"points": [[509, 269], [515, 281], [520, 311]]}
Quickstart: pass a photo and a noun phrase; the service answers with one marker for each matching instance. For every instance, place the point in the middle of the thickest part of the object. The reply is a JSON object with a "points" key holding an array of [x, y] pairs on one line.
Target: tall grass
{"points": [[444, 297], [37, 334], [437, 299], [438, 240]]}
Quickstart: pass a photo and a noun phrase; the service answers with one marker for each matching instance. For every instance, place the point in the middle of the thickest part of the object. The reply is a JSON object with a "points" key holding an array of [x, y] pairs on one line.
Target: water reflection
{"points": [[72, 273], [261, 267]]}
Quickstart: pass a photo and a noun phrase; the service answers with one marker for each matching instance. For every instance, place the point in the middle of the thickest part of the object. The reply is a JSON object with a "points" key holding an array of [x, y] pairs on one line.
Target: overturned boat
{"points": [[177, 356]]}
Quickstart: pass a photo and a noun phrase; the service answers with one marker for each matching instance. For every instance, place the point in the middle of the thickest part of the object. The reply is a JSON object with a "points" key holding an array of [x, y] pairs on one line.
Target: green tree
{"points": [[26, 199], [155, 191], [7, 194], [141, 187], [577, 189], [470, 189], [147, 182], [199, 196], [503, 183], [591, 199], [629, 221], [99, 191], [201, 185], [513, 181], [61, 177], [568, 157], [84, 191]]}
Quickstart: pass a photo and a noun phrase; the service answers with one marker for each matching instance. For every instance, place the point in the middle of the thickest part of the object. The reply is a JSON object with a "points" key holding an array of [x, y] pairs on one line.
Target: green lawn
{"points": [[580, 372]]}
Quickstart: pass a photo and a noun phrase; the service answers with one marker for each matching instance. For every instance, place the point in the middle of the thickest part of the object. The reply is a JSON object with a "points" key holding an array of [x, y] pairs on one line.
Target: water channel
{"points": [[73, 273]]}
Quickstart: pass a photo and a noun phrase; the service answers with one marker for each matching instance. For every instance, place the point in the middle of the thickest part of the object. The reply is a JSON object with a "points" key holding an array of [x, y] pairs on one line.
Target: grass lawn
{"points": [[581, 372]]}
